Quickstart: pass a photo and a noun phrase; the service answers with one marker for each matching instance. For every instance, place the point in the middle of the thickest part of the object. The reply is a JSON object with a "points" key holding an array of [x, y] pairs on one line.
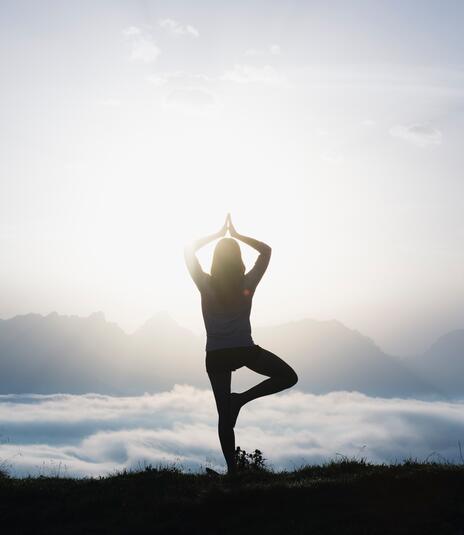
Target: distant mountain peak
{"points": [[451, 341], [97, 316], [329, 330], [162, 316], [159, 321]]}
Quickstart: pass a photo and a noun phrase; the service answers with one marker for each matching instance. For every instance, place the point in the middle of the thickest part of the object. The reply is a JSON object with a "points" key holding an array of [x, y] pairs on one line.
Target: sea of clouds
{"points": [[92, 434]]}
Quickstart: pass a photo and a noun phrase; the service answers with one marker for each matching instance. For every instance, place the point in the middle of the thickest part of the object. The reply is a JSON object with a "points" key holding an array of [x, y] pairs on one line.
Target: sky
{"points": [[91, 435], [330, 130]]}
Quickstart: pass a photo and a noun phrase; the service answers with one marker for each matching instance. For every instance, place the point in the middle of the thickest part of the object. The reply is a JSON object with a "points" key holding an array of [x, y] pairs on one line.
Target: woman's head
{"points": [[227, 270]]}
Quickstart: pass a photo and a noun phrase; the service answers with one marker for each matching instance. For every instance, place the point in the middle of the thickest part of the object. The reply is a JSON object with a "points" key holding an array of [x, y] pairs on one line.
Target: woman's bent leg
{"points": [[281, 376], [220, 381]]}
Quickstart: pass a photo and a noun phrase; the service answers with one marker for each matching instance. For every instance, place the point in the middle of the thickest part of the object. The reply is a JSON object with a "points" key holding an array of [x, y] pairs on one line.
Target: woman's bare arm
{"points": [[256, 244], [197, 244], [193, 265], [257, 271]]}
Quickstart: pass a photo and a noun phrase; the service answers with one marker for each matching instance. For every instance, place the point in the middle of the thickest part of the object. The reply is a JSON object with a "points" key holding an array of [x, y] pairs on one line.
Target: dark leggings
{"points": [[280, 376]]}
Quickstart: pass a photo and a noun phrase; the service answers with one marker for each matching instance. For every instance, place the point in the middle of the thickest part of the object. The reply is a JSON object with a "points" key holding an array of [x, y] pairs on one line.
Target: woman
{"points": [[226, 297]]}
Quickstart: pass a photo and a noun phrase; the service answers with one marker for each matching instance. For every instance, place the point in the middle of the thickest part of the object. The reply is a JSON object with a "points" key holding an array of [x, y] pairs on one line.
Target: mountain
{"points": [[56, 353], [45, 354], [443, 362], [329, 356], [168, 352]]}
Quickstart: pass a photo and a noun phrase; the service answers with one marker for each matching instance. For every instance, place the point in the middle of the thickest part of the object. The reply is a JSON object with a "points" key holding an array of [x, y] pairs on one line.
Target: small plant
{"points": [[4, 470], [249, 461]]}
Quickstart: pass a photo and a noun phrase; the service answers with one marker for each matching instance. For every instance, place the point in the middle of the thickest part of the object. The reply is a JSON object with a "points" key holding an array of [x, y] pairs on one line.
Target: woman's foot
{"points": [[235, 406]]}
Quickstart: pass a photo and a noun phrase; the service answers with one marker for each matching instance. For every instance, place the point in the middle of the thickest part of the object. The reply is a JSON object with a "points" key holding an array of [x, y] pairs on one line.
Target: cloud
{"points": [[95, 434], [332, 157], [177, 28], [191, 99], [131, 30], [274, 50], [245, 74], [421, 135], [179, 76], [253, 52], [145, 50], [158, 80], [142, 45]]}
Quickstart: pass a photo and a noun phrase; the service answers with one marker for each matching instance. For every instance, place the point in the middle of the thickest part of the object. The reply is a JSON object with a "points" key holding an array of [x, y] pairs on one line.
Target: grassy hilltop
{"points": [[348, 496]]}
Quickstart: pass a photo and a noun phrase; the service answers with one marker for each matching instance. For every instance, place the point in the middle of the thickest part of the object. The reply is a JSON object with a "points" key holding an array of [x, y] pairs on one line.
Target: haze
{"points": [[330, 130]]}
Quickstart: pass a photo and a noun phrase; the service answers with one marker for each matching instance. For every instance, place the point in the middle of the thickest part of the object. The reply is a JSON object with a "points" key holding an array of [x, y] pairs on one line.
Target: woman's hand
{"points": [[256, 244], [224, 227], [194, 246], [232, 230]]}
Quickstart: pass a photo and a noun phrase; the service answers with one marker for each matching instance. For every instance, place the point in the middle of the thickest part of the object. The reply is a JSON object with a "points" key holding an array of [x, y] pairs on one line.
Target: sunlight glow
{"points": [[141, 137]]}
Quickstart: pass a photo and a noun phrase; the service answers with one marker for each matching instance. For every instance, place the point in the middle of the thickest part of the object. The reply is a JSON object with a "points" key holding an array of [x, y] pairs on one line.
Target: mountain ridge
{"points": [[53, 352]]}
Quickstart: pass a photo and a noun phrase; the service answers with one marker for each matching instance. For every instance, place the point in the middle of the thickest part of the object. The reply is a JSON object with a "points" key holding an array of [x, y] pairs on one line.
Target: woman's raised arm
{"points": [[193, 265], [256, 244], [257, 271]]}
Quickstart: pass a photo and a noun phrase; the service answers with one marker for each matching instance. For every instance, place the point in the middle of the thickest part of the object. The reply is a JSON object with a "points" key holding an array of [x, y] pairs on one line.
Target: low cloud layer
{"points": [[78, 435]]}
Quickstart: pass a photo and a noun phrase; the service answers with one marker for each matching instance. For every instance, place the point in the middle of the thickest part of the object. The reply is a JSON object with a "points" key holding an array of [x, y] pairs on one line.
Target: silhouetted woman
{"points": [[226, 297]]}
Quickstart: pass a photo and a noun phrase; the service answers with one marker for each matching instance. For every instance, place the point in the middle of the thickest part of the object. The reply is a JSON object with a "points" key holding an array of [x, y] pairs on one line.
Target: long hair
{"points": [[227, 271]]}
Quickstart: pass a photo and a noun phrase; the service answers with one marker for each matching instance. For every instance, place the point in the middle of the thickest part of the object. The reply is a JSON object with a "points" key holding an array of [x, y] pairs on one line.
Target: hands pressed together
{"points": [[189, 249], [228, 226]]}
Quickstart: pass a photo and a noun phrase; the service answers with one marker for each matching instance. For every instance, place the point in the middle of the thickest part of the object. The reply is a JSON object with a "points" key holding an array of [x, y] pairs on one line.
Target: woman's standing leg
{"points": [[220, 381]]}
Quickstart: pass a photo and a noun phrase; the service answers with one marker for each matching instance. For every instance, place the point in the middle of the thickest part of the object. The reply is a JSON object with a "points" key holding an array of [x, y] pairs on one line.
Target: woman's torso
{"points": [[226, 326]]}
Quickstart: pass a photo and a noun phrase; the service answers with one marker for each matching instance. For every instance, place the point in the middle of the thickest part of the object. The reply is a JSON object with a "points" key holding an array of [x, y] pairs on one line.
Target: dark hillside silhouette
{"points": [[343, 497]]}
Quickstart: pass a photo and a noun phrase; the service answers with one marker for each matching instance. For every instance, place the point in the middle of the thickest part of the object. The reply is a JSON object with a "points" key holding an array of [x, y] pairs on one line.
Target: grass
{"points": [[347, 496]]}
